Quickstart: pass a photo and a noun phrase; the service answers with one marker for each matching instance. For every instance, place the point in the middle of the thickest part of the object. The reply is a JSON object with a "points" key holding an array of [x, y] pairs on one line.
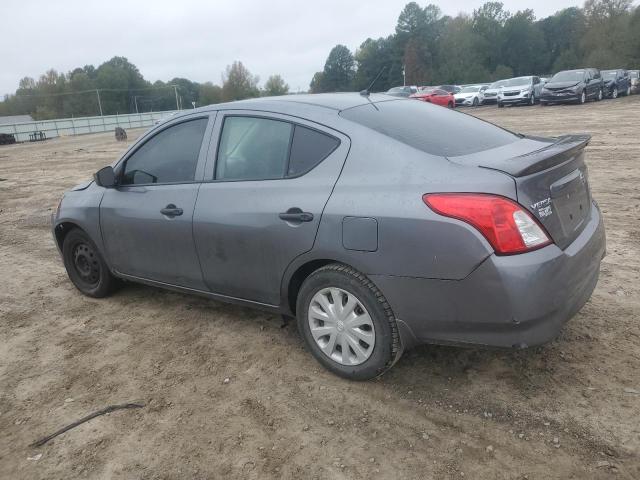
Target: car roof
{"points": [[303, 105]]}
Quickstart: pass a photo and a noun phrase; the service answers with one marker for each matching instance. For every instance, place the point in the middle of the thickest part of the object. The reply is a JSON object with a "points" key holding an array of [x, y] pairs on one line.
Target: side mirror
{"points": [[105, 177]]}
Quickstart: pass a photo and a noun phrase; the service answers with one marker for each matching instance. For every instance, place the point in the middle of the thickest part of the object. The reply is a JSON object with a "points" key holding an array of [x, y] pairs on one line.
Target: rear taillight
{"points": [[507, 226]]}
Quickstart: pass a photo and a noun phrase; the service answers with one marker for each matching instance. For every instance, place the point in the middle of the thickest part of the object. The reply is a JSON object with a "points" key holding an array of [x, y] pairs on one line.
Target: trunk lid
{"points": [[551, 180]]}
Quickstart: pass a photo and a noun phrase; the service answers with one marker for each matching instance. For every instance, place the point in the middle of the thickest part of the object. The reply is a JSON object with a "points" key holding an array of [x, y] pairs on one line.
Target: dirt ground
{"points": [[569, 410]]}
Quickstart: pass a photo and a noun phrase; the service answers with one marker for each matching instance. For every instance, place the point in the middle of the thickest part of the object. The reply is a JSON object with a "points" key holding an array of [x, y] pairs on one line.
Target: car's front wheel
{"points": [[475, 102], [500, 105], [532, 99], [346, 323], [583, 97], [85, 266], [614, 93], [628, 92]]}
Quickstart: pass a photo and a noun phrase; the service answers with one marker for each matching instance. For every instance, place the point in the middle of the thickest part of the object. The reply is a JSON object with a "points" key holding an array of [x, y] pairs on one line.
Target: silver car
{"points": [[520, 91], [379, 222], [490, 95]]}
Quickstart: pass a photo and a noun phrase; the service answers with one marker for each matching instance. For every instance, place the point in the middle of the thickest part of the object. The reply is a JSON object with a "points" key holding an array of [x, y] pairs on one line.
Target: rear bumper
{"points": [[508, 301]]}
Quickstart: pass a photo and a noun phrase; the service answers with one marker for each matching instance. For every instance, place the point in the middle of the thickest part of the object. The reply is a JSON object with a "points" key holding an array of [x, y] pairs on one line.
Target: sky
{"points": [[197, 39]]}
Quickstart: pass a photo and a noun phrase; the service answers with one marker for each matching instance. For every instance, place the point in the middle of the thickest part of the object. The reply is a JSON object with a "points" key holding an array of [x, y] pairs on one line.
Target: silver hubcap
{"points": [[341, 326]]}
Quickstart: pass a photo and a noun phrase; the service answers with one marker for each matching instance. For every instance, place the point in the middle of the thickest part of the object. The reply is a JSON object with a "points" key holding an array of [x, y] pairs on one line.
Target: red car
{"points": [[435, 95]]}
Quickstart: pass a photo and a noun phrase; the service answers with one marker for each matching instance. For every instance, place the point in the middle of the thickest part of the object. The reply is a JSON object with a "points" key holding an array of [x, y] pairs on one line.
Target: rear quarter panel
{"points": [[385, 180]]}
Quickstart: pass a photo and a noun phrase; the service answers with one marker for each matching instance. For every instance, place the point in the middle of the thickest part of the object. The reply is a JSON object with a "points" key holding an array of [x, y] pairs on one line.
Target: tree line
{"points": [[117, 86], [429, 48]]}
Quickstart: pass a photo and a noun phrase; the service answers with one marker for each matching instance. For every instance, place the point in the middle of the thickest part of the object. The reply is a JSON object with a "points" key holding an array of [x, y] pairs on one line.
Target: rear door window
{"points": [[434, 130], [258, 148], [253, 148]]}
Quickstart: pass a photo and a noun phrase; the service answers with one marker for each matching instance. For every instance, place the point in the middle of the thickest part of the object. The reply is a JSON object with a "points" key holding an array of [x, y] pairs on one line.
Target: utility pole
{"points": [[175, 90], [99, 103], [404, 77], [135, 100]]}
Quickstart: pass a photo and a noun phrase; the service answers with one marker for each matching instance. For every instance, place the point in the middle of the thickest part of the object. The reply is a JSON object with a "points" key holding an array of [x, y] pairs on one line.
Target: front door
{"points": [[146, 220], [269, 182]]}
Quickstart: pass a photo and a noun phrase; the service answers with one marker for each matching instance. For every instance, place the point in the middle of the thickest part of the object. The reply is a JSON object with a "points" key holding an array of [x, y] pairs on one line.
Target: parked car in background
{"points": [[450, 88], [573, 86], [491, 93], [404, 91], [634, 75], [520, 91], [471, 234], [435, 95], [470, 95], [616, 82]]}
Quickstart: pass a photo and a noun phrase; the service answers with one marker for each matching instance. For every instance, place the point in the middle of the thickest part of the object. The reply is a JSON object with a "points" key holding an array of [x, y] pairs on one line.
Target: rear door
{"points": [[269, 177], [146, 221]]}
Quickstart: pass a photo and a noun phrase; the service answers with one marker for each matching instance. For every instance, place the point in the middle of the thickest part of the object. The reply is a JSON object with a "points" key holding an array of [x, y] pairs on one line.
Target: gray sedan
{"points": [[380, 223]]}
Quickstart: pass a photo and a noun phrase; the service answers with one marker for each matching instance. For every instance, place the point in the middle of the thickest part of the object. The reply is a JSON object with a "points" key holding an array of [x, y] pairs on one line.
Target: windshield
{"points": [[498, 84], [469, 89], [568, 76], [609, 74], [517, 81], [396, 90]]}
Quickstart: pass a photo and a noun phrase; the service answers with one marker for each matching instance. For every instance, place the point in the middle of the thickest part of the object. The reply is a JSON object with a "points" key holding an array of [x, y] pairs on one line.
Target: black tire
{"points": [[614, 93], [532, 99], [583, 98], [627, 92], [85, 266], [475, 102], [500, 105], [386, 349]]}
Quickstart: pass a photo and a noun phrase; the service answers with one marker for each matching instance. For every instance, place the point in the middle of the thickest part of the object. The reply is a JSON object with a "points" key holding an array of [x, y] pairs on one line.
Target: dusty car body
{"points": [[369, 218]]}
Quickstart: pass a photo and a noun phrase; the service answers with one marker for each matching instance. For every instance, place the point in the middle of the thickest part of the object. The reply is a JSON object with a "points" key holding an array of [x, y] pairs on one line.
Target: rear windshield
{"points": [[433, 129], [469, 89]]}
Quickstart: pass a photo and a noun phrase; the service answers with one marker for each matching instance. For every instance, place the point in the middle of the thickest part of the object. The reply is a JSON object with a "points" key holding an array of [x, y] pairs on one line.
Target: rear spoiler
{"points": [[562, 150]]}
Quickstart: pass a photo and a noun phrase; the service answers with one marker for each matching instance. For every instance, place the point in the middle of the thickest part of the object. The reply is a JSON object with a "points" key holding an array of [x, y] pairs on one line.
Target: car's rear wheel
{"points": [[85, 266], [346, 323]]}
